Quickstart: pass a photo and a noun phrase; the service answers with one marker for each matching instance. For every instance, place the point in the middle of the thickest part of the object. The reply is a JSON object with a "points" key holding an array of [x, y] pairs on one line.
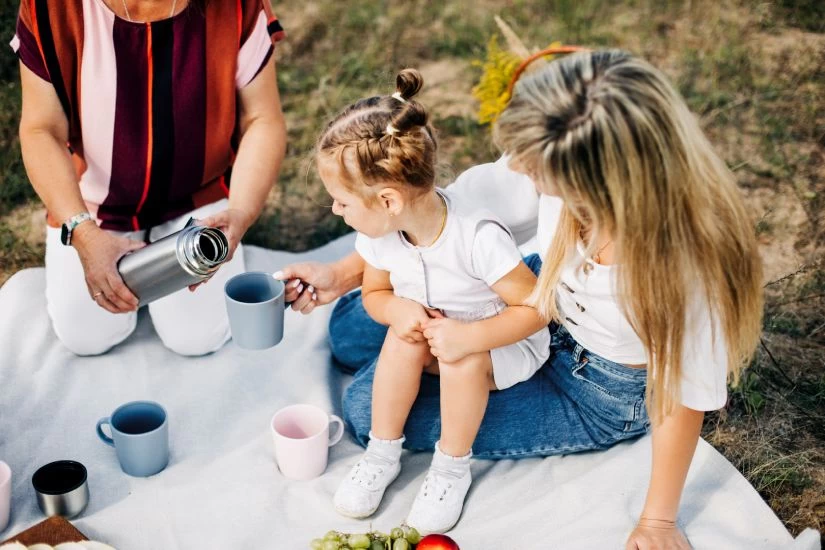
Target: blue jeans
{"points": [[578, 401]]}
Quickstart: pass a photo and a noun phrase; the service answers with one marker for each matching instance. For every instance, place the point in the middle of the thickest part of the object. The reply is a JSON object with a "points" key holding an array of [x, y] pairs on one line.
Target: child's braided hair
{"points": [[384, 139]]}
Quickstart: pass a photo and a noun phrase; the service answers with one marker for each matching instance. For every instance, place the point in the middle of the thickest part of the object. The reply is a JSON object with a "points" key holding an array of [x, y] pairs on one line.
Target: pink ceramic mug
{"points": [[302, 440], [5, 495]]}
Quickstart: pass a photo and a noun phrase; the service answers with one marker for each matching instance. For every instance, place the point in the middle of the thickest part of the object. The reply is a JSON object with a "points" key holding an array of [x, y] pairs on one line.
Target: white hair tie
{"points": [[391, 130], [399, 97]]}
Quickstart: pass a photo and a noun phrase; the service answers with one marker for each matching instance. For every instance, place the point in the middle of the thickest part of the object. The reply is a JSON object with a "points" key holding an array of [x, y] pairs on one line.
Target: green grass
{"points": [[15, 189], [808, 15], [14, 185], [15, 251]]}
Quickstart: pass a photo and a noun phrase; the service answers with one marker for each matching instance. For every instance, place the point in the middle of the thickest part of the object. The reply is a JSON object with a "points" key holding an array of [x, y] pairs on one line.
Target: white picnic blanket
{"points": [[222, 489]]}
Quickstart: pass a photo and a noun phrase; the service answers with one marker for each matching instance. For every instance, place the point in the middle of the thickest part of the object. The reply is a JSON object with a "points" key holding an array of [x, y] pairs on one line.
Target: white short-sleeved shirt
{"points": [[589, 301], [455, 274]]}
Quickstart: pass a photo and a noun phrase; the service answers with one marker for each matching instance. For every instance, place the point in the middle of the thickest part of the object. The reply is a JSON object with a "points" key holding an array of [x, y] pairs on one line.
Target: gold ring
{"points": [[96, 294]]}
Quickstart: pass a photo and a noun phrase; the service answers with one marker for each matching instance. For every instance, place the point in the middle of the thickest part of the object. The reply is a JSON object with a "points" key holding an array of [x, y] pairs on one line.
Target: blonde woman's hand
{"points": [[309, 285], [649, 535], [99, 253], [406, 319], [449, 339]]}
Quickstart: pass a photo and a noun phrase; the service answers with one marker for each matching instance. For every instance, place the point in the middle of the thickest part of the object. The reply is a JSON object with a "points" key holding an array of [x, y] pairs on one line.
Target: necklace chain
{"points": [[129, 16], [443, 220], [597, 255]]}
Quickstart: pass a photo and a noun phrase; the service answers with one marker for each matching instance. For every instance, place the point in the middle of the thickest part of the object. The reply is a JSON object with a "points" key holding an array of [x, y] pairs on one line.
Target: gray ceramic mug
{"points": [[255, 306], [140, 436]]}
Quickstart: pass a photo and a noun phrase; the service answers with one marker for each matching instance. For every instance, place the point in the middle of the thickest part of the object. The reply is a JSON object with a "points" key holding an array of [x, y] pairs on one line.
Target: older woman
{"points": [[138, 114], [651, 278]]}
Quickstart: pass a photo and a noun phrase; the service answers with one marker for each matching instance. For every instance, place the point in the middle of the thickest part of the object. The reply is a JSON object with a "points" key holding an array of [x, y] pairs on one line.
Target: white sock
{"points": [[389, 449], [456, 465]]}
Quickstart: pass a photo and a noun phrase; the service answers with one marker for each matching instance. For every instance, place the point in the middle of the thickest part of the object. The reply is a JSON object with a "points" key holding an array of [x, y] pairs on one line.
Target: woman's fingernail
{"points": [[278, 275], [300, 288], [296, 283], [311, 289], [314, 297]]}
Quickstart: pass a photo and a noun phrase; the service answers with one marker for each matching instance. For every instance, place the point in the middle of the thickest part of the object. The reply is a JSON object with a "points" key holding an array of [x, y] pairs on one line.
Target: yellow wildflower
{"points": [[498, 70]]}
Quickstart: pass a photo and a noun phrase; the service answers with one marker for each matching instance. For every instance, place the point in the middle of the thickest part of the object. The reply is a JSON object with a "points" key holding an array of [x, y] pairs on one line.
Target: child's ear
{"points": [[391, 201]]}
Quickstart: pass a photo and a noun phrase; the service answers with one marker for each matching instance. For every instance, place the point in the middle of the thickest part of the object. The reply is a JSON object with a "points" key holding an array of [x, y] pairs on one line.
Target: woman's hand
{"points": [[99, 253], [309, 285], [656, 535], [448, 339], [233, 222], [406, 319]]}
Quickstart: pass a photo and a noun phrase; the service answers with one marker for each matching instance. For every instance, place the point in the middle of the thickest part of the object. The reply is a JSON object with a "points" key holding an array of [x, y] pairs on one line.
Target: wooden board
{"points": [[53, 530]]}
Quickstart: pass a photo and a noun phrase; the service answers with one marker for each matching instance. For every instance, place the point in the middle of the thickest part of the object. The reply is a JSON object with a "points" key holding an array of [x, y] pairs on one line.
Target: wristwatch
{"points": [[69, 225]]}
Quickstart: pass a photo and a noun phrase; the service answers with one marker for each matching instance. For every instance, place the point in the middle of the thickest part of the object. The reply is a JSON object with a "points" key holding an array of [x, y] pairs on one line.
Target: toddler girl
{"points": [[446, 278]]}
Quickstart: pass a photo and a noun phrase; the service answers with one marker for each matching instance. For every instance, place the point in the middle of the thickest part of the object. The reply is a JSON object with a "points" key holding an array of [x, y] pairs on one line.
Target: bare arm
{"points": [[262, 143], [260, 153], [377, 294], [349, 273], [451, 340], [674, 442], [405, 317], [515, 323], [44, 131]]}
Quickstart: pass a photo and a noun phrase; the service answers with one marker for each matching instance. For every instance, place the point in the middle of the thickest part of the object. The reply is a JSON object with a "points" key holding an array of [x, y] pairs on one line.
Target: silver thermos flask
{"points": [[176, 261]]}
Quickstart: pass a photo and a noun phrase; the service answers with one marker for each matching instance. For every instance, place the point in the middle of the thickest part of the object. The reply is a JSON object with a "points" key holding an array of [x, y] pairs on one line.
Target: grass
{"points": [[753, 73]]}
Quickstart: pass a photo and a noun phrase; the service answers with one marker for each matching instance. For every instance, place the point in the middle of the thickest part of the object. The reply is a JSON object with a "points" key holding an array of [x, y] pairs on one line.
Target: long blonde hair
{"points": [[608, 133]]}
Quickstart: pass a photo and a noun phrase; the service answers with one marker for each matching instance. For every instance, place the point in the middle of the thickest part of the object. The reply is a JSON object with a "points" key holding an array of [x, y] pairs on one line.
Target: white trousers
{"points": [[188, 323]]}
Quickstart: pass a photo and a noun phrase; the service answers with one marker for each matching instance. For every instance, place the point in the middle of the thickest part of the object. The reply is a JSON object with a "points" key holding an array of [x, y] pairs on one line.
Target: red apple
{"points": [[437, 542]]}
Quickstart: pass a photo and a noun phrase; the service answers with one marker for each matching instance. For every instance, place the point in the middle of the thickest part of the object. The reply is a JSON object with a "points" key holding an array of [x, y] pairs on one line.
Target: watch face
{"points": [[64, 234]]}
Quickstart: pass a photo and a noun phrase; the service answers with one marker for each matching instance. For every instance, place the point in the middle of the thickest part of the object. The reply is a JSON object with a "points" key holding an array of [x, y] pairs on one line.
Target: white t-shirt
{"points": [[589, 302], [455, 274]]}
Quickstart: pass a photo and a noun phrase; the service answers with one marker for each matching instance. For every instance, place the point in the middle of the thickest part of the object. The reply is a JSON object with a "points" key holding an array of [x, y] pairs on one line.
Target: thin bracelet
{"points": [[669, 524]]}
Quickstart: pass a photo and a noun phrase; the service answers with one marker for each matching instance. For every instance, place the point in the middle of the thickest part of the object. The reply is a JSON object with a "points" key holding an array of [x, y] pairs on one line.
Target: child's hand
{"points": [[448, 339], [406, 319]]}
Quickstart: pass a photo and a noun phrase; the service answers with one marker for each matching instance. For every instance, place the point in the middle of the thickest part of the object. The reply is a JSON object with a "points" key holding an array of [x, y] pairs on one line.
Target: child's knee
{"points": [[474, 366], [417, 353]]}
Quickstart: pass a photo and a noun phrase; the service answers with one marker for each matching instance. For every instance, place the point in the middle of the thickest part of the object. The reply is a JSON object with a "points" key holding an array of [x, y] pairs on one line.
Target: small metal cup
{"points": [[61, 488]]}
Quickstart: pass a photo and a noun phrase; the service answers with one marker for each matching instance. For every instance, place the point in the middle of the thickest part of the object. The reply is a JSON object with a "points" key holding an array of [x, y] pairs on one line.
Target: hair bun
{"points": [[408, 83]]}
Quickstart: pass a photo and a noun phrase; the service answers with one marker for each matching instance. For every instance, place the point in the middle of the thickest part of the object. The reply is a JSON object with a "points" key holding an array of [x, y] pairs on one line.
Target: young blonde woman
{"points": [[651, 277]]}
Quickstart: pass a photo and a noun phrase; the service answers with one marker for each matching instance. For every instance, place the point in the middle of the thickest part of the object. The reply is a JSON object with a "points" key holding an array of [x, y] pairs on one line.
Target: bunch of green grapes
{"points": [[400, 538]]}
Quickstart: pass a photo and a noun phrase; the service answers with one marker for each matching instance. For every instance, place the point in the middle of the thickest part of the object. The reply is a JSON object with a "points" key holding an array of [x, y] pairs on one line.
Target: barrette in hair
{"points": [[399, 97], [391, 130], [551, 51]]}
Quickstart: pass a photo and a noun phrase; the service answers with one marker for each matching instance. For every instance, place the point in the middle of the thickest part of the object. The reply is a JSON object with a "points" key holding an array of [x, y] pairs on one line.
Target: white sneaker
{"points": [[360, 493], [440, 500]]}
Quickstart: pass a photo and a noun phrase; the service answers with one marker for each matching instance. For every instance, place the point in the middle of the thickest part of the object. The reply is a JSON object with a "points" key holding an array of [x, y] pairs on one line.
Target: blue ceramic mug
{"points": [[140, 436], [255, 307]]}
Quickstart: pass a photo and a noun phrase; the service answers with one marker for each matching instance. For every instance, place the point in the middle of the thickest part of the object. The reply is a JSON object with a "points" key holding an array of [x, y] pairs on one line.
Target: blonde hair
{"points": [[384, 140], [608, 133]]}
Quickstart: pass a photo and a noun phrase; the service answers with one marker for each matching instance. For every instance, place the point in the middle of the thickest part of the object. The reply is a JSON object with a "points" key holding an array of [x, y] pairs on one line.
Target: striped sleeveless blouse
{"points": [[151, 106]]}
